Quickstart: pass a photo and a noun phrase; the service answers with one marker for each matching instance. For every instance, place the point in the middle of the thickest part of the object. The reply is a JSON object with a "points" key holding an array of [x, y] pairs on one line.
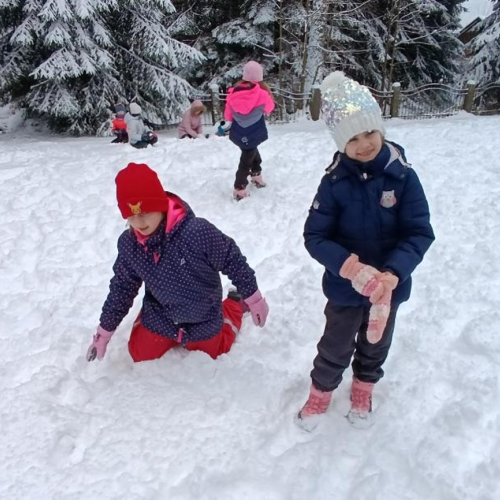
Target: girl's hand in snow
{"points": [[258, 308], [99, 343]]}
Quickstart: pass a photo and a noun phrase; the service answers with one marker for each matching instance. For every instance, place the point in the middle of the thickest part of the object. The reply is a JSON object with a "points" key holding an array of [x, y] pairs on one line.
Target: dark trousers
{"points": [[345, 335], [121, 136], [250, 162]]}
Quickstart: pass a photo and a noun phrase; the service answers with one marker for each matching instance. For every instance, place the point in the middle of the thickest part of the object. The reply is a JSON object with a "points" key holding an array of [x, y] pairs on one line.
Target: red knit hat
{"points": [[138, 190]]}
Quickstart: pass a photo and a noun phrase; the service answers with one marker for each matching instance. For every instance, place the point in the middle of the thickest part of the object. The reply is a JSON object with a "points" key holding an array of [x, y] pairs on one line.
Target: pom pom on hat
{"points": [[348, 108], [139, 190], [253, 72], [135, 109]]}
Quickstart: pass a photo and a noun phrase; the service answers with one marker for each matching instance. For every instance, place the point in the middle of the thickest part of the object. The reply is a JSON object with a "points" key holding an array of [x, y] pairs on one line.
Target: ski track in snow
{"points": [[185, 427]]}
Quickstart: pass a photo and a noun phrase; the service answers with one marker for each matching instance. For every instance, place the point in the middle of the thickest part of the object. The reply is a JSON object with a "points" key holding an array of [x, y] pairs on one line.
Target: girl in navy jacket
{"points": [[178, 257], [369, 226]]}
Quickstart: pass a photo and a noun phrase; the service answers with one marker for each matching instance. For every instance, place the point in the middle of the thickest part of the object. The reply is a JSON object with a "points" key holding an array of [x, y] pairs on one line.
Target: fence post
{"points": [[315, 104], [396, 99], [469, 97], [215, 100], [280, 103]]}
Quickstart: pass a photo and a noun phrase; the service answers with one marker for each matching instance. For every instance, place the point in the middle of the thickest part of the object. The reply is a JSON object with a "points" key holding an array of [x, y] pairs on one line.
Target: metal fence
{"points": [[487, 100], [428, 101], [290, 106]]}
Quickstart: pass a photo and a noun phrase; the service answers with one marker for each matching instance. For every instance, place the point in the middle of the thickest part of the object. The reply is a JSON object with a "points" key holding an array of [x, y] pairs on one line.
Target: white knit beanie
{"points": [[348, 108], [135, 109]]}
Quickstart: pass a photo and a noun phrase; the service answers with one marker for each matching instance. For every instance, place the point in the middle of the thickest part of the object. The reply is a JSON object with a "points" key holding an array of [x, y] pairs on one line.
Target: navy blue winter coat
{"points": [[376, 210], [179, 265]]}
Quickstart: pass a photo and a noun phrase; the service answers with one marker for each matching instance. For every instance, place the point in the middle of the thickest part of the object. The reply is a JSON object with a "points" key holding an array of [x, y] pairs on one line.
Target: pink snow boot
{"points": [[360, 415], [316, 405], [258, 181], [239, 194]]}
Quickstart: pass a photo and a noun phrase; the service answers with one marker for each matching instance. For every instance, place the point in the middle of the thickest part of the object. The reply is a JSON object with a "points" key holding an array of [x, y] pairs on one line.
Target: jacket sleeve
{"points": [[319, 228], [123, 288], [224, 255], [228, 112], [415, 230]]}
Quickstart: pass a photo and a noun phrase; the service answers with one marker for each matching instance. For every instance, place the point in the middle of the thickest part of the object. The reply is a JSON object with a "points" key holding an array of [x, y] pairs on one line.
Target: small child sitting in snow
{"points": [[369, 226], [191, 125], [179, 257], [119, 127], [139, 135]]}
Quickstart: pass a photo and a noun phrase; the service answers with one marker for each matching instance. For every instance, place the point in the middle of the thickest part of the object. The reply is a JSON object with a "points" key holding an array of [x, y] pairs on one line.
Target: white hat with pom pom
{"points": [[348, 108]]}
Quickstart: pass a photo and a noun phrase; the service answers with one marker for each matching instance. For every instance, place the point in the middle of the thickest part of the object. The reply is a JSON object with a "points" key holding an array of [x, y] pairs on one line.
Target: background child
{"points": [[139, 135], [119, 127], [369, 226], [178, 256], [246, 104], [222, 128], [191, 125]]}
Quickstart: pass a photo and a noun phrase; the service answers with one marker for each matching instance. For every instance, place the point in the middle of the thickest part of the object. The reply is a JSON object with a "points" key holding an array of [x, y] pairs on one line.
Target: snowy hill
{"points": [[186, 427]]}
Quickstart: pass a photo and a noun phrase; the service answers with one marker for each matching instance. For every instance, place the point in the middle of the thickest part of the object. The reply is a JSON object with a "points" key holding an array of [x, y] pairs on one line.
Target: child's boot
{"points": [[360, 414], [258, 181], [316, 405], [239, 194]]}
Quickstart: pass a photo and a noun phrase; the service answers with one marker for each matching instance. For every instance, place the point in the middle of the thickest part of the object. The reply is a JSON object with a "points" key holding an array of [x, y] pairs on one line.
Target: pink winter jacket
{"points": [[191, 124], [245, 101]]}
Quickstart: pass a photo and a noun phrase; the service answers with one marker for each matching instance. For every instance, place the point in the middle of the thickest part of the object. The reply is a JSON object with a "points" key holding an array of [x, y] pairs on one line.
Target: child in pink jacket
{"points": [[246, 104], [190, 125]]}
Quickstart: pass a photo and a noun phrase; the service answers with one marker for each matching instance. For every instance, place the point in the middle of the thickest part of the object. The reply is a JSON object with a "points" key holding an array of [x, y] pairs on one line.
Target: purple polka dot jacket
{"points": [[179, 265]]}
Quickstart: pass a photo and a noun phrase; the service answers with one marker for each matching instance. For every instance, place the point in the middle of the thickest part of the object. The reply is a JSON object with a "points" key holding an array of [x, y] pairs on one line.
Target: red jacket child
{"points": [[119, 127]]}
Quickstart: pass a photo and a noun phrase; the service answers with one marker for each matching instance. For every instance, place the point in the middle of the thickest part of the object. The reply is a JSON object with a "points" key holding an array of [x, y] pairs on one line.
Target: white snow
{"points": [[186, 427], [475, 8]]}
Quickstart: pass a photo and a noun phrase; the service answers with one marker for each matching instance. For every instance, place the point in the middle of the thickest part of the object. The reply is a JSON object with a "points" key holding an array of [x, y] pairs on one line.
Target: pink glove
{"points": [[362, 277], [99, 343], [258, 308], [381, 308]]}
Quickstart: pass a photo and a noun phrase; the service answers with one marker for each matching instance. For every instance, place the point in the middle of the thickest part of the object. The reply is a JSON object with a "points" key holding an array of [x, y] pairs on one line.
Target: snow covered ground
{"points": [[186, 427]]}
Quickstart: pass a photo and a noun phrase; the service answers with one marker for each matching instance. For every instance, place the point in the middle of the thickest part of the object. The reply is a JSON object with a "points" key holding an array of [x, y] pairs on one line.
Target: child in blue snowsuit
{"points": [[369, 226]]}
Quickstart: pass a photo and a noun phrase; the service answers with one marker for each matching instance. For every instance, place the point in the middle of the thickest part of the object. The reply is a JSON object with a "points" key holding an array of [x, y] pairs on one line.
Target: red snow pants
{"points": [[145, 345]]}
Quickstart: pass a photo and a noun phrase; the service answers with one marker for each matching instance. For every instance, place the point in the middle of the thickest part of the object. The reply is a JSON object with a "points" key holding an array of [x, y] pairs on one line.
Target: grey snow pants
{"points": [[345, 335]]}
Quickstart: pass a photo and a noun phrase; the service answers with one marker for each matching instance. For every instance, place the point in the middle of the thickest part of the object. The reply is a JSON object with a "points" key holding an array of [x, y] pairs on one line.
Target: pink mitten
{"points": [[258, 308], [362, 277], [381, 308], [99, 343]]}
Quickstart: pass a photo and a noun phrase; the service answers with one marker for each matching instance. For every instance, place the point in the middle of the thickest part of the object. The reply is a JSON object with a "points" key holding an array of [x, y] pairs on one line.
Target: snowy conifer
{"points": [[484, 64], [80, 56]]}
